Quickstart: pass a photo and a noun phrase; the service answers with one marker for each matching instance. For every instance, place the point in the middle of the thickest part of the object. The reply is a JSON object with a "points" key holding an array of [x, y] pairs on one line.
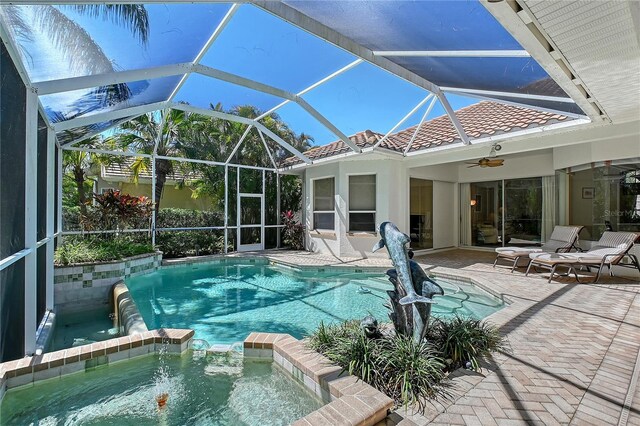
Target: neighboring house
{"points": [[175, 194], [553, 173]]}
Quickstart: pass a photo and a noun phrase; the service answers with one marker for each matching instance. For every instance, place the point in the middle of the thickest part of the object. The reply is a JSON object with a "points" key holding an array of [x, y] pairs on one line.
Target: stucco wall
{"points": [[171, 196], [536, 155]]}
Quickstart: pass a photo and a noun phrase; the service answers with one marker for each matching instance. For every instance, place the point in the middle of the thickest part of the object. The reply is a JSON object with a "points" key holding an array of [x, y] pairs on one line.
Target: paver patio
{"points": [[572, 354]]}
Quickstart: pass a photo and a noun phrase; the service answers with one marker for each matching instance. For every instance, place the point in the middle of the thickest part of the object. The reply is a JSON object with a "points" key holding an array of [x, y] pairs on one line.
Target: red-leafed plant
{"points": [[115, 210], [293, 231]]}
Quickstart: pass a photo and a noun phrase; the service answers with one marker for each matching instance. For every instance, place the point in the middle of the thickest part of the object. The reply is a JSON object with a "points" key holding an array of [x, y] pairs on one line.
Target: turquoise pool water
{"points": [[224, 303], [82, 327], [202, 390]]}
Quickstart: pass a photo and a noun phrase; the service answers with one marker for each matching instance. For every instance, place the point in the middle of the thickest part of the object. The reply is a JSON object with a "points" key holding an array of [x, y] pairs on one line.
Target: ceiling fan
{"points": [[487, 162], [491, 161]]}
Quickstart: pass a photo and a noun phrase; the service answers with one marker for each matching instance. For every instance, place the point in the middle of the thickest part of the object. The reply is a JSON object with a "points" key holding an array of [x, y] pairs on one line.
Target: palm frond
{"points": [[80, 50], [134, 17]]}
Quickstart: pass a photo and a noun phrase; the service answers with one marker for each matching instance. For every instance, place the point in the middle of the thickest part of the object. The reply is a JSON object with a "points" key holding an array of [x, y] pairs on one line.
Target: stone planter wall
{"points": [[91, 283]]}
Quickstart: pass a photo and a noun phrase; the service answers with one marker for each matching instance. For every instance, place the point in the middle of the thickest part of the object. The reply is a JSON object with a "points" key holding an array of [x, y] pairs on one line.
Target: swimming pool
{"points": [[201, 389], [223, 303]]}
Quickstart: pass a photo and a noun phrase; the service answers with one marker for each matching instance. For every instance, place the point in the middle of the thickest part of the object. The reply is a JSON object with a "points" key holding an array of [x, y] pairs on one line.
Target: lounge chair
{"points": [[562, 239], [610, 250]]}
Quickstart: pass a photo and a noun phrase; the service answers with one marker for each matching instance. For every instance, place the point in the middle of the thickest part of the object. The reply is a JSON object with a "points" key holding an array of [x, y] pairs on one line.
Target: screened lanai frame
{"points": [[383, 59]]}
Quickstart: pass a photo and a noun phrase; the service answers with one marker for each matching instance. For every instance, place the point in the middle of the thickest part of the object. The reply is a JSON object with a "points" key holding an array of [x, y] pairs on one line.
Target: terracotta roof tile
{"points": [[485, 118]]}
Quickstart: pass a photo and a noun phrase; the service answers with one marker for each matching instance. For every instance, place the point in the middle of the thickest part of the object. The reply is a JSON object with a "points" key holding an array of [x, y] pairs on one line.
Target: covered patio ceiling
{"points": [[306, 60]]}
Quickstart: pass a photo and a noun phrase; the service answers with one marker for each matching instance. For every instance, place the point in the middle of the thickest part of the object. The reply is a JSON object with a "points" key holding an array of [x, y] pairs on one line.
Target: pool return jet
{"points": [[412, 297]]}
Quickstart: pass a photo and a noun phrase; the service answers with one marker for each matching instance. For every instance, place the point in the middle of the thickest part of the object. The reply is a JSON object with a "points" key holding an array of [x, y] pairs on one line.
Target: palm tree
{"points": [[213, 139], [76, 45], [78, 164], [153, 133]]}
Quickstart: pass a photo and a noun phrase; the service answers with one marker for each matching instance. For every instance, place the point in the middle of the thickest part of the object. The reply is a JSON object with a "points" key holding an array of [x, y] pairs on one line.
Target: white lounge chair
{"points": [[562, 239], [610, 250]]}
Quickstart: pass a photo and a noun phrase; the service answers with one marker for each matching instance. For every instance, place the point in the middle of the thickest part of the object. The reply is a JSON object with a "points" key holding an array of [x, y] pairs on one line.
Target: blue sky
{"points": [[255, 45]]}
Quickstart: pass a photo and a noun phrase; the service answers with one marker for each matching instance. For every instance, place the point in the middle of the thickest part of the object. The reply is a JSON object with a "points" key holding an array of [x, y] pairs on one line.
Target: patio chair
{"points": [[610, 250], [562, 239]]}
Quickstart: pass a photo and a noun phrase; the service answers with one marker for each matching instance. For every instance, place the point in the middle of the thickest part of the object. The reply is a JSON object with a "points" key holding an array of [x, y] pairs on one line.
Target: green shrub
{"points": [[463, 340], [80, 249], [409, 373], [189, 243]]}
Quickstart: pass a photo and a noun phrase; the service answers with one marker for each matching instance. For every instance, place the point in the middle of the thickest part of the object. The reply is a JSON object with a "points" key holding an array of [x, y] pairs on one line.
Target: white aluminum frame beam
{"points": [[455, 53], [97, 132], [239, 119], [264, 142], [221, 26], [424, 117], [30, 222], [489, 93], [301, 20], [520, 104], [242, 138], [87, 120], [405, 118], [326, 123], [97, 80], [313, 86], [51, 211], [162, 157], [454, 119]]}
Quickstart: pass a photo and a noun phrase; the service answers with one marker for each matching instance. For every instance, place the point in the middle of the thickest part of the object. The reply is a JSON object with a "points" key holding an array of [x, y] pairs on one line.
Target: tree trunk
{"points": [[163, 167], [78, 175]]}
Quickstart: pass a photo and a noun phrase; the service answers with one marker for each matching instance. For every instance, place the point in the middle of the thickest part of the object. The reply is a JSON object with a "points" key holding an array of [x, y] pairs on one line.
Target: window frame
{"points": [[374, 212], [313, 204]]}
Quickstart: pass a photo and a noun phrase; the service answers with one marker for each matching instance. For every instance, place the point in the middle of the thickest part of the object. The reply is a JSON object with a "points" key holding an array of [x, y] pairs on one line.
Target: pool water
{"points": [[82, 327], [223, 303], [202, 390]]}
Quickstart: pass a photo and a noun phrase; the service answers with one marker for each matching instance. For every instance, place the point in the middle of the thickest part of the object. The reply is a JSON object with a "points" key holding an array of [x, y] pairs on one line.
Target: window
{"points": [[603, 196], [362, 203], [323, 204]]}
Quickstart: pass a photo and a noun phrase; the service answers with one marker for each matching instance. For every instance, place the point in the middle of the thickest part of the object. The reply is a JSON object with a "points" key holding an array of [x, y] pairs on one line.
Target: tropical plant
{"points": [[214, 139], [409, 372], [463, 341], [80, 249], [153, 133], [78, 165], [293, 231], [117, 210], [187, 243], [79, 50]]}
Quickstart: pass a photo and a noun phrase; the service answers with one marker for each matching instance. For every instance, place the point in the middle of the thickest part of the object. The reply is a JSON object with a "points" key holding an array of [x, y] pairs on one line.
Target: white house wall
{"points": [[540, 154], [615, 147], [444, 196], [325, 242], [524, 166]]}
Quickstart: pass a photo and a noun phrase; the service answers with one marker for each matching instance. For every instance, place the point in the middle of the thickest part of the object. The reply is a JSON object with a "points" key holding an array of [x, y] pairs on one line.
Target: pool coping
{"points": [[348, 400], [54, 365], [218, 259]]}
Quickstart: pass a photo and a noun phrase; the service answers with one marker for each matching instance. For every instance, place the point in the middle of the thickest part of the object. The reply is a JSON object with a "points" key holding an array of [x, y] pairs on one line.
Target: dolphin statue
{"points": [[395, 242]]}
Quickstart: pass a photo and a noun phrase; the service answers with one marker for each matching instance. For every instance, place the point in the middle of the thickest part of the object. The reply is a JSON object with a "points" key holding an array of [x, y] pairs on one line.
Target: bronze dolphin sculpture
{"points": [[398, 253]]}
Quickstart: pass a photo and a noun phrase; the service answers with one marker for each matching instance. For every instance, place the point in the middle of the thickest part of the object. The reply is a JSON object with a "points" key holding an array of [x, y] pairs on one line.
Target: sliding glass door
{"points": [[495, 213], [486, 208]]}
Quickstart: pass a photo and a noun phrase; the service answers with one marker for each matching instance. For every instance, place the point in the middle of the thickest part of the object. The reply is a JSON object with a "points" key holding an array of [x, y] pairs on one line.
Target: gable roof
{"points": [[479, 120]]}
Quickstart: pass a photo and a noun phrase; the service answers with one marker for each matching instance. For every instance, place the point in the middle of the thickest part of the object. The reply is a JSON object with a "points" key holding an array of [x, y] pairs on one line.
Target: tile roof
{"points": [[479, 120], [123, 171]]}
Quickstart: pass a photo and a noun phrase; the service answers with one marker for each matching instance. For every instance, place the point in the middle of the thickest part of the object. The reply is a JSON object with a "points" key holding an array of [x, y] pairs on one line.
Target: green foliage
{"points": [[188, 243], [78, 249], [463, 340], [115, 210], [409, 373], [293, 231]]}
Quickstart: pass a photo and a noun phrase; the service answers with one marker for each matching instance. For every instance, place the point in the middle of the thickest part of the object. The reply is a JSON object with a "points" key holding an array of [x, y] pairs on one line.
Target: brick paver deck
{"points": [[572, 354]]}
